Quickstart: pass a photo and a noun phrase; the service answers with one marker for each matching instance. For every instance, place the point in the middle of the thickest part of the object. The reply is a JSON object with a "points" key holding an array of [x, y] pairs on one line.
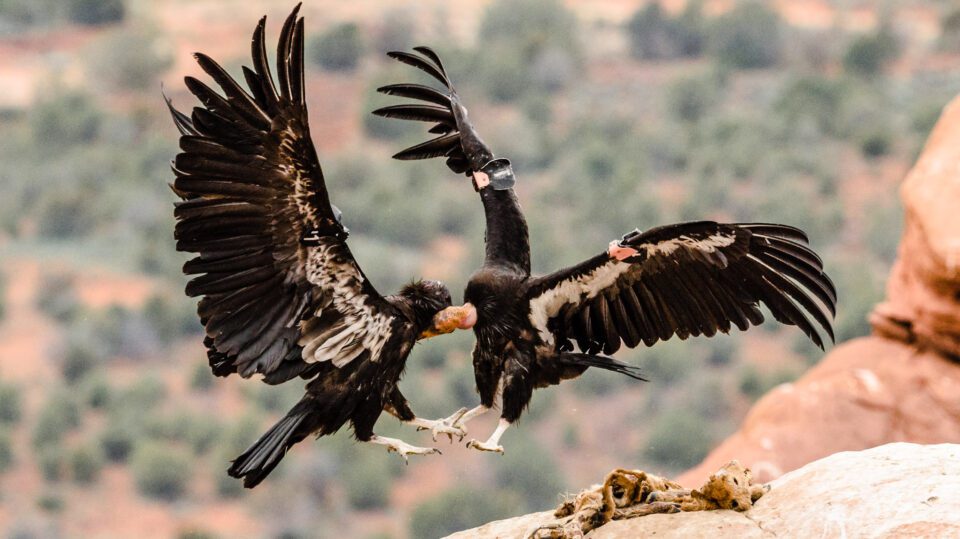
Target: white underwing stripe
{"points": [[587, 286], [360, 327], [573, 290]]}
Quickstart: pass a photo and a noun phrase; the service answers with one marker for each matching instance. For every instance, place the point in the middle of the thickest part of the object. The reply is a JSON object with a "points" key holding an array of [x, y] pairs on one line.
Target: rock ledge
{"points": [[895, 490]]}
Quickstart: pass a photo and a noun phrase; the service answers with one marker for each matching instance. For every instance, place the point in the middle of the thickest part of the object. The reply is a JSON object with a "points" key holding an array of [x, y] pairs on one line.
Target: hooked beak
{"points": [[451, 319]]}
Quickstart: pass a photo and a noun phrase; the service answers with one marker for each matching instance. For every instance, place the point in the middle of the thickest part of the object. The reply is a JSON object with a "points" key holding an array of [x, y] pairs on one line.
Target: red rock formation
{"points": [[903, 382]]}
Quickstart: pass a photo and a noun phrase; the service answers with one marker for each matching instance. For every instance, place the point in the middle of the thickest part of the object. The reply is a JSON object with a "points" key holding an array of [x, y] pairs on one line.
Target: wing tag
{"points": [[501, 175]]}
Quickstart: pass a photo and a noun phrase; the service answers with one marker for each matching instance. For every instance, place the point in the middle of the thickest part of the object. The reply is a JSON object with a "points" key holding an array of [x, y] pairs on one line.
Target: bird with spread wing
{"points": [[281, 294], [682, 280]]}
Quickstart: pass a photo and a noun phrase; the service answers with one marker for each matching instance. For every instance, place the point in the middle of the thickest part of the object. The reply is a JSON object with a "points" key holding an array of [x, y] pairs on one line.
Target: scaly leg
{"points": [[492, 443], [402, 448]]}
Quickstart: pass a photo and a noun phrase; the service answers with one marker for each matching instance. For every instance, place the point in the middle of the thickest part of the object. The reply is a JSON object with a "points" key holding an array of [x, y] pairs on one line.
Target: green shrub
{"points": [[161, 471], [65, 118], [119, 437], [129, 58], [337, 49], [459, 508], [59, 415], [654, 34], [57, 297], [50, 502], [78, 360], [201, 378], [52, 460], [868, 54], [98, 392], [6, 451], [367, 479], [529, 470], [678, 439], [692, 98], [95, 12], [10, 404], [86, 463], [876, 143], [747, 37]]}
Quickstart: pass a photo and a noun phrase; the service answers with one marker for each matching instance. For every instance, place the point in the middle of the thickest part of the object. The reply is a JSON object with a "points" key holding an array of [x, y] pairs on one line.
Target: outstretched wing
{"points": [[685, 279], [280, 289], [457, 140]]}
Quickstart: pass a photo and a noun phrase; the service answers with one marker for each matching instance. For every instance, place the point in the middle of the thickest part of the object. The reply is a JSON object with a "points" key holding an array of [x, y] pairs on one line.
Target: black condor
{"points": [[686, 279], [281, 295]]}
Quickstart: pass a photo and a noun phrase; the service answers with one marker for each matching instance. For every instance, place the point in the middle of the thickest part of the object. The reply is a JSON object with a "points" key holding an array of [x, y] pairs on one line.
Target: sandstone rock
{"points": [[896, 490], [865, 393], [923, 291]]}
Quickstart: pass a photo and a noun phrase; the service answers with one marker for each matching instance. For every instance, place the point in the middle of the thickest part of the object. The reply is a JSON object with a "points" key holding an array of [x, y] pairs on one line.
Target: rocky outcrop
{"points": [[903, 382], [923, 291], [896, 490]]}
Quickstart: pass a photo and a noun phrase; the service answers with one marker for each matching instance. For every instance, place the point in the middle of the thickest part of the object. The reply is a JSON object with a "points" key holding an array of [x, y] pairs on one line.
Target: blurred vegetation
{"points": [[458, 509], [759, 121], [337, 49]]}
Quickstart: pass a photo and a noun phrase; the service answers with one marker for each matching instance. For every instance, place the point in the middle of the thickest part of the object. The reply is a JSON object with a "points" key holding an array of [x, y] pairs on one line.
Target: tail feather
{"points": [[602, 362], [262, 457]]}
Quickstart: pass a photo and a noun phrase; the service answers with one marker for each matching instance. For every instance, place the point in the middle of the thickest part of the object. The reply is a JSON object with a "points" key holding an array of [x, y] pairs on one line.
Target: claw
{"points": [[442, 426], [402, 448], [484, 446]]}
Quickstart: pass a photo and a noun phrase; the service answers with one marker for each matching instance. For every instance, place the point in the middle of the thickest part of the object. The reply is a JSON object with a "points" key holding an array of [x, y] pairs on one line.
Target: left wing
{"points": [[686, 279], [279, 287]]}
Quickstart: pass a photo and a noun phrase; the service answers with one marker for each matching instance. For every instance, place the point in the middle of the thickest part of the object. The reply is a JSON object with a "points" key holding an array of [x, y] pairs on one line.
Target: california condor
{"points": [[281, 294], [686, 279]]}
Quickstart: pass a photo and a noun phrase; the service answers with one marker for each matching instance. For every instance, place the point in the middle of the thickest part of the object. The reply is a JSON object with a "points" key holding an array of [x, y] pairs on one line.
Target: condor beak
{"points": [[451, 319]]}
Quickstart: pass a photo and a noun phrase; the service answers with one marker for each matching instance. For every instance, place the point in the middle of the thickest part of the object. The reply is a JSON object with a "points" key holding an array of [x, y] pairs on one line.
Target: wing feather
{"points": [[274, 274], [695, 279]]}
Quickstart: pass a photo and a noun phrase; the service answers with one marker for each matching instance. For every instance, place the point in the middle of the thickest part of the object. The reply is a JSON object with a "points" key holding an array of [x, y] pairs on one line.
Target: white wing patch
{"points": [[573, 290], [707, 245], [359, 328], [577, 289]]}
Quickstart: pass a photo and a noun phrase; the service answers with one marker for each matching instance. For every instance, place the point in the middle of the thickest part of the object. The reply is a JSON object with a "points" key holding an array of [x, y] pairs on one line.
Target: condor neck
{"points": [[508, 242]]}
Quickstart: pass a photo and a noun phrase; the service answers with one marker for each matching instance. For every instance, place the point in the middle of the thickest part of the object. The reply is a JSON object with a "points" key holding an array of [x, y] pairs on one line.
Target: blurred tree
{"points": [[693, 97], [51, 459], [528, 469], [58, 415], [868, 54], [678, 439], [747, 37], [79, 358], [397, 32], [6, 451], [950, 30], [10, 404], [813, 98], [654, 34], [201, 379], [459, 508], [337, 49], [96, 12], [117, 442], [161, 471], [129, 58], [85, 463], [64, 117]]}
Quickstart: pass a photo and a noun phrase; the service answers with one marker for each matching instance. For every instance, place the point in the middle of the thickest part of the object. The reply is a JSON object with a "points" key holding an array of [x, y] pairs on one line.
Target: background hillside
{"points": [[617, 114]]}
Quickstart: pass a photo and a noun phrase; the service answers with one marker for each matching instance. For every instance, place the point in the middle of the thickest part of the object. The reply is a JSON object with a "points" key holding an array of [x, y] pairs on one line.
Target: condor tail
{"points": [[601, 362], [262, 457]]}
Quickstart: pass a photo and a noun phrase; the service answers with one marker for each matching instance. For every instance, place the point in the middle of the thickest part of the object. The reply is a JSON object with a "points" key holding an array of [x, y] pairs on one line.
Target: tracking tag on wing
{"points": [[501, 174]]}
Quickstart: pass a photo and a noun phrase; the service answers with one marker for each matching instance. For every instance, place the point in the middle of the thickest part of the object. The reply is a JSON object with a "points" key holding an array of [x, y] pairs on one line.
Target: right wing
{"points": [[280, 289], [458, 141], [685, 279]]}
